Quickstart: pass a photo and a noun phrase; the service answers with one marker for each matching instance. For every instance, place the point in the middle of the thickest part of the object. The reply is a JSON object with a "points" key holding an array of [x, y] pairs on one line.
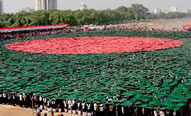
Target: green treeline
{"points": [[87, 16], [84, 17]]}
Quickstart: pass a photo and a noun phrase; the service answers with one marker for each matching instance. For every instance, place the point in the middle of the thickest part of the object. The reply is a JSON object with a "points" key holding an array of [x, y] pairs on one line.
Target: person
{"points": [[161, 113], [182, 80], [155, 113], [128, 110], [174, 113], [122, 110], [21, 100], [1, 98], [4, 98], [9, 99], [52, 114], [84, 109], [58, 108], [95, 109], [38, 110], [101, 110], [168, 113], [49, 105], [69, 106], [89, 109], [45, 103], [118, 110], [40, 100], [74, 107], [13, 100], [109, 111], [65, 106], [53, 105], [143, 112], [29, 100], [79, 107]]}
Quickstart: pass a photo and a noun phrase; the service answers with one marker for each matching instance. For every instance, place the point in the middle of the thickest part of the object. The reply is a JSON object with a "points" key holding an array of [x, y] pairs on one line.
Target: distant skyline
{"points": [[1, 6], [13, 6], [45, 4]]}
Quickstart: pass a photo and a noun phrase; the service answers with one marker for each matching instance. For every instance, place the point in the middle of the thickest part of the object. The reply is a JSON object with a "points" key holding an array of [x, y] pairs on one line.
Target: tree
{"points": [[123, 12], [39, 18], [122, 9], [138, 11]]}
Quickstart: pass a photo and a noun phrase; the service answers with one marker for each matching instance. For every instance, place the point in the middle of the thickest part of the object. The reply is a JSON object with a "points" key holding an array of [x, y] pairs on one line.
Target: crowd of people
{"points": [[83, 108], [57, 31], [132, 27], [80, 107], [32, 33]]}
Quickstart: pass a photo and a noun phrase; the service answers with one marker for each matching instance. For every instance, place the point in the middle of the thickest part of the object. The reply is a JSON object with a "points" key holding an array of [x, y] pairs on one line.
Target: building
{"points": [[157, 11], [173, 9], [83, 6], [1, 6], [45, 4], [186, 11]]}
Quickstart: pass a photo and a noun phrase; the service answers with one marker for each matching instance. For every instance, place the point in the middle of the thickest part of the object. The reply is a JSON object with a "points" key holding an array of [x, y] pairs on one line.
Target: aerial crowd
{"points": [[84, 108]]}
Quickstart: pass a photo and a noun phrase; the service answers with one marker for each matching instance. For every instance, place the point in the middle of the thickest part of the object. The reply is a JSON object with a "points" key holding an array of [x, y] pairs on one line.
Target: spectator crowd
{"points": [[58, 31]]}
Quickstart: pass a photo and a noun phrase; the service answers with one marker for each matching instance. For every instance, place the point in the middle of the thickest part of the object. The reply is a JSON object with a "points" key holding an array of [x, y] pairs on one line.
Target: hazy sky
{"points": [[17, 5]]}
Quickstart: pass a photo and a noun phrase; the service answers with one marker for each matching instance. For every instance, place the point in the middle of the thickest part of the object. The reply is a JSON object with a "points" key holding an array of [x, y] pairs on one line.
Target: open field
{"points": [[6, 110], [163, 24], [168, 24]]}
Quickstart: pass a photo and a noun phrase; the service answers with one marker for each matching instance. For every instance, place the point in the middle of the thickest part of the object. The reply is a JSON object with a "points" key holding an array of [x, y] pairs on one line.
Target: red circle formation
{"points": [[93, 45]]}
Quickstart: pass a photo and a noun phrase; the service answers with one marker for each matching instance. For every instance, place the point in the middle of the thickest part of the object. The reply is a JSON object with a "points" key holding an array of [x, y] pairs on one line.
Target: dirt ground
{"points": [[166, 24], [160, 23], [7, 110]]}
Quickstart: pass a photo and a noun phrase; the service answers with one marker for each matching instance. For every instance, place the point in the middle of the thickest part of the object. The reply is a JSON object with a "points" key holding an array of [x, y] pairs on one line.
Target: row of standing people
{"points": [[84, 108]]}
